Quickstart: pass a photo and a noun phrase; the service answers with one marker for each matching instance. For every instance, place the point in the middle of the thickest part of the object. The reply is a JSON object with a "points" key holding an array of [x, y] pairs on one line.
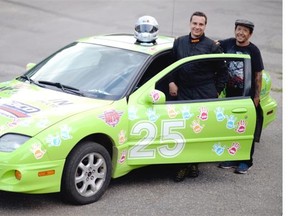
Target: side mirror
{"points": [[155, 97], [30, 66]]}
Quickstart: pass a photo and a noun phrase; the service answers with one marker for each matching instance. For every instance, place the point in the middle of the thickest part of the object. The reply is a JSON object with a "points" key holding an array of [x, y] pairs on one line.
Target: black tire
{"points": [[87, 174]]}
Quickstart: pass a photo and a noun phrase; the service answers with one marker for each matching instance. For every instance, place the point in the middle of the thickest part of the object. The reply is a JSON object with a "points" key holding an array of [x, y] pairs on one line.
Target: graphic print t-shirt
{"points": [[236, 68]]}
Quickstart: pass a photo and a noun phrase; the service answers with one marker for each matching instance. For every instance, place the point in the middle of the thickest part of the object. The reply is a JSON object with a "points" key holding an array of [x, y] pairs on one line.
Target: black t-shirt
{"points": [[235, 69]]}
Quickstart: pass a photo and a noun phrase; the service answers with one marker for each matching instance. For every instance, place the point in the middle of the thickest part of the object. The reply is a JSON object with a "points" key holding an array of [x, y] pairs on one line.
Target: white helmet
{"points": [[146, 29]]}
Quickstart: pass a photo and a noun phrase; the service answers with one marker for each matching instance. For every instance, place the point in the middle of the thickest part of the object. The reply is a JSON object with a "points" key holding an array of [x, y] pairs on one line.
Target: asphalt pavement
{"points": [[30, 30]]}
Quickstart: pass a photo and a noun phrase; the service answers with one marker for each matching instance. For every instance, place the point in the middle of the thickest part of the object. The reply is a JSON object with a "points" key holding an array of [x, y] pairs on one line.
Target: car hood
{"points": [[28, 109]]}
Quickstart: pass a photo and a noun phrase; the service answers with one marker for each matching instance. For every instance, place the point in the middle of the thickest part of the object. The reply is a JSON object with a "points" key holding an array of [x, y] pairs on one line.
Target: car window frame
{"points": [[236, 57]]}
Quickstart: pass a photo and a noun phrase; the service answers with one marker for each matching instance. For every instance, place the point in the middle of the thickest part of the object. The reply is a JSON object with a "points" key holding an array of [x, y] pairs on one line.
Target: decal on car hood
{"points": [[25, 106]]}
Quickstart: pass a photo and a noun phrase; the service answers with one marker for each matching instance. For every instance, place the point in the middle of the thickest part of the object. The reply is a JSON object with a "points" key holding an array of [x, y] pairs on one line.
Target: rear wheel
{"points": [[87, 173]]}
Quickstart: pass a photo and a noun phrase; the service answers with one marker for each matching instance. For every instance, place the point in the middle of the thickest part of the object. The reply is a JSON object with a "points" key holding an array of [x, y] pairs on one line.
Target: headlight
{"points": [[10, 142]]}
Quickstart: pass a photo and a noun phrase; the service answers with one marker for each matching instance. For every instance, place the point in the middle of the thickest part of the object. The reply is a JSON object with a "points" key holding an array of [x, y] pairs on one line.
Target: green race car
{"points": [[100, 107]]}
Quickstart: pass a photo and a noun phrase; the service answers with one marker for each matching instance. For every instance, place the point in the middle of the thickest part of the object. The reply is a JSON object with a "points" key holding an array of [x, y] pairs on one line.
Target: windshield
{"points": [[96, 71]]}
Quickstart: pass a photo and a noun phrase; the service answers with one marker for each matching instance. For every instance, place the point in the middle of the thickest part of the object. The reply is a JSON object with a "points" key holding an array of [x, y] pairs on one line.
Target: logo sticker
{"points": [[197, 128], [218, 149], [18, 109], [111, 117], [65, 132], [186, 114], [122, 137], [203, 114], [123, 157], [132, 113], [219, 111], [37, 151], [152, 115], [172, 113], [234, 148], [231, 122], [155, 96], [53, 140], [241, 128]]}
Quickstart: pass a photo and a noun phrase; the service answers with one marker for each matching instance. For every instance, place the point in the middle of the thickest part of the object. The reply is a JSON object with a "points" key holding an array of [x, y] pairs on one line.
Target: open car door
{"points": [[163, 130]]}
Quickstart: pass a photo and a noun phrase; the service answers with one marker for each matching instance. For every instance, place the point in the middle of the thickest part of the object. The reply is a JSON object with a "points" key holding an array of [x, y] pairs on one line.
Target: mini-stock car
{"points": [[100, 108]]}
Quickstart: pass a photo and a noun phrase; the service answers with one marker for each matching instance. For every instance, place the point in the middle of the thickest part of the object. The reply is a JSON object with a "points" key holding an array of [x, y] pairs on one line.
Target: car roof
{"points": [[128, 41]]}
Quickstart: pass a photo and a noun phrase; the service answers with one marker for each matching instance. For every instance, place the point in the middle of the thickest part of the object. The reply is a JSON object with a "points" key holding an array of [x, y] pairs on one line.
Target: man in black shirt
{"points": [[241, 44], [197, 80], [200, 80]]}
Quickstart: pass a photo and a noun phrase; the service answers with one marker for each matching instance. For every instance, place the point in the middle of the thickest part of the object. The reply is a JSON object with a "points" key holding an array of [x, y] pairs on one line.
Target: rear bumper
{"points": [[269, 108]]}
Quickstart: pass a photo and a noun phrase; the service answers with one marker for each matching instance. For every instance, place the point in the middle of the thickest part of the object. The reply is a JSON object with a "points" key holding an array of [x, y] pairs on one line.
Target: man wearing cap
{"points": [[241, 44]]}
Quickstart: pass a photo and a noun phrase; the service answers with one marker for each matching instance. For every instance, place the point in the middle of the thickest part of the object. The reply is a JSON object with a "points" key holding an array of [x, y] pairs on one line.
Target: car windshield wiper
{"points": [[31, 81], [64, 88]]}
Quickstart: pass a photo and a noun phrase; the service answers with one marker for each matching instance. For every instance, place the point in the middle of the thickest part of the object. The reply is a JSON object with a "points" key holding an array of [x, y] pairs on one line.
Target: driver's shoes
{"points": [[181, 174], [191, 171]]}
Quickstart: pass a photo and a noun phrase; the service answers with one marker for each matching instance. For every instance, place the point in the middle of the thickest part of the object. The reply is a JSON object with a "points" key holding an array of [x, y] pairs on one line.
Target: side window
{"points": [[195, 74], [235, 85], [159, 63]]}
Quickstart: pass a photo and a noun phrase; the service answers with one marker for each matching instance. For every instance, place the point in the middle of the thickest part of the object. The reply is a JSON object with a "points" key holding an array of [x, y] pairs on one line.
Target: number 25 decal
{"points": [[171, 142]]}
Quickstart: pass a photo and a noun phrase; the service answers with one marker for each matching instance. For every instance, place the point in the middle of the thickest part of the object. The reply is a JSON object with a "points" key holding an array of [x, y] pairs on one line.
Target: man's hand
{"points": [[173, 89]]}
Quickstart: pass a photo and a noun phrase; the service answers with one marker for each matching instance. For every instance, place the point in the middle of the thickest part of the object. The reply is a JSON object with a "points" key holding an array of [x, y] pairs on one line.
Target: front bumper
{"points": [[36, 178]]}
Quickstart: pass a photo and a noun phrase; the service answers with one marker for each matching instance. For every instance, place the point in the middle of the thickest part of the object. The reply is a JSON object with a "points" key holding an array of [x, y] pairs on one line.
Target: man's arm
{"points": [[258, 86]]}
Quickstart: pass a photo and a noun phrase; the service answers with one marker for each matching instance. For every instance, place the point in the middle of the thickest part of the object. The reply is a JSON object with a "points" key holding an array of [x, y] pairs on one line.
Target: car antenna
{"points": [[172, 26]]}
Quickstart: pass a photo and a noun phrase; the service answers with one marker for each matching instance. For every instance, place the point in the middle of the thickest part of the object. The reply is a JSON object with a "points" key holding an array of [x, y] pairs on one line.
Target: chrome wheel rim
{"points": [[90, 174]]}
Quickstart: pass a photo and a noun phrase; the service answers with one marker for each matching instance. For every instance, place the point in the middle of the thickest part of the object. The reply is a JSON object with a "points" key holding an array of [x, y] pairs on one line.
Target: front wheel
{"points": [[87, 173]]}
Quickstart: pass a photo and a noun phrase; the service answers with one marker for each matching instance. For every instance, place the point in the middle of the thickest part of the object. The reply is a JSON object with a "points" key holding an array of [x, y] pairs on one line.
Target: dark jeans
{"points": [[257, 134], [258, 130], [250, 162]]}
